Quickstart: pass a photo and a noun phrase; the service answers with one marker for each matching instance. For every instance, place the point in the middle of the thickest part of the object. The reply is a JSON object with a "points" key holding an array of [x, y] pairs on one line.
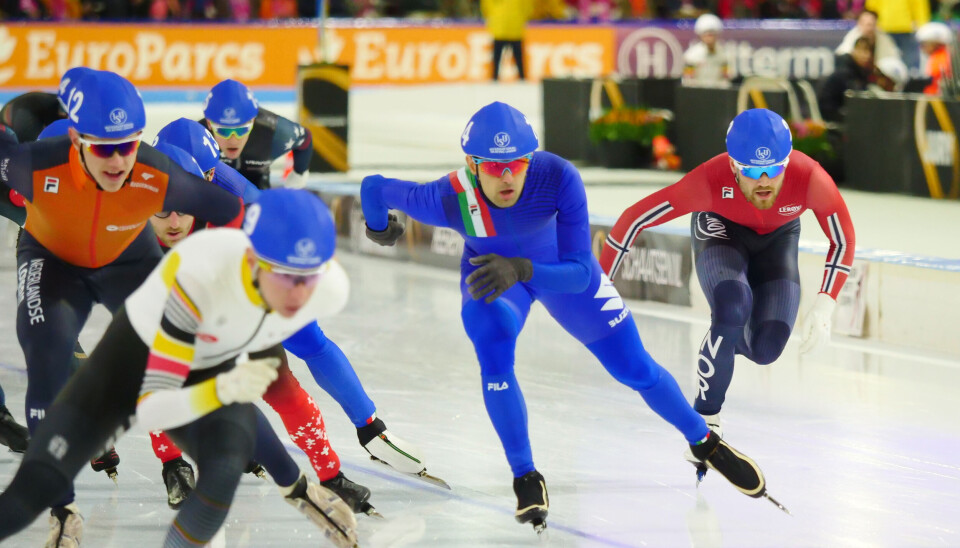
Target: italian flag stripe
{"points": [[476, 216]]}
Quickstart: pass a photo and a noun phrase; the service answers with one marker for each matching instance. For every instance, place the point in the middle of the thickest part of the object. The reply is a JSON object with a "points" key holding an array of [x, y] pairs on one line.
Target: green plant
{"points": [[810, 138], [629, 124]]}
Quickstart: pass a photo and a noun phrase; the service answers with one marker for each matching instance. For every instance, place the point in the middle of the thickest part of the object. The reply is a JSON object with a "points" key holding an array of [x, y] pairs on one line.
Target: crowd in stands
{"points": [[908, 14]]}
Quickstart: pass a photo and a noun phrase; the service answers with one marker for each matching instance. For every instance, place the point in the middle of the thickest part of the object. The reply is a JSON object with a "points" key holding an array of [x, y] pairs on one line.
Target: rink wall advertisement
{"points": [[174, 56], [657, 269]]}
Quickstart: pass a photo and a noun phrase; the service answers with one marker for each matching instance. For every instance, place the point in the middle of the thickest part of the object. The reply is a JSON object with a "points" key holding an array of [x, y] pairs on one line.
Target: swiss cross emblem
{"points": [[727, 192]]}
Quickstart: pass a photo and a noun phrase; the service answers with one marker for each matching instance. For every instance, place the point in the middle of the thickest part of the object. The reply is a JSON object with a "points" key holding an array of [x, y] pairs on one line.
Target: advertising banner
{"points": [[775, 48], [152, 56]]}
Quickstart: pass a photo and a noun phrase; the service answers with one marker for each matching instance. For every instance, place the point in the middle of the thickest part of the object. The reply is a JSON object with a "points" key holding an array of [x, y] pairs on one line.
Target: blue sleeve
{"points": [[233, 182], [378, 195], [289, 136], [572, 273]]}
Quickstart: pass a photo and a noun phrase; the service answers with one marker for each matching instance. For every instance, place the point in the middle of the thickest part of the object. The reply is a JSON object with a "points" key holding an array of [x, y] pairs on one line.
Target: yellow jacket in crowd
{"points": [[900, 16], [506, 19]]}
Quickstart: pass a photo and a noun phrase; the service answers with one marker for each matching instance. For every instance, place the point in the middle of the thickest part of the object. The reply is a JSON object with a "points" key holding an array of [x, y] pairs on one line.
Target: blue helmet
{"points": [[291, 229], [56, 129], [230, 103], [181, 157], [193, 138], [109, 107], [499, 132], [68, 82], [759, 137]]}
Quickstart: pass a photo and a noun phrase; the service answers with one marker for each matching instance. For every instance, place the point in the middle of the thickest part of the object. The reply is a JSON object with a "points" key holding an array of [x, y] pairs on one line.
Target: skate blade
{"points": [[112, 474], [433, 479], [540, 526], [776, 503], [701, 473], [369, 510]]}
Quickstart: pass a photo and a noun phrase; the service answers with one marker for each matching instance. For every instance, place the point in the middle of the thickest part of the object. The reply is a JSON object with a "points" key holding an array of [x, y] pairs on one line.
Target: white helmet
{"points": [[935, 32], [894, 69], [707, 22]]}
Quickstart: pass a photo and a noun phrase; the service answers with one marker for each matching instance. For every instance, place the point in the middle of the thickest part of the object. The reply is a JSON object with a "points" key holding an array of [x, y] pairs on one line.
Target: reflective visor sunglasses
{"points": [[288, 279], [495, 168], [229, 131], [107, 150], [754, 172]]}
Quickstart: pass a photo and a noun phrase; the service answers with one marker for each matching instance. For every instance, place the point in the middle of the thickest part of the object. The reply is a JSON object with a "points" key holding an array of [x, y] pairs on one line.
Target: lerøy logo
{"points": [[501, 139], [790, 210], [7, 45]]}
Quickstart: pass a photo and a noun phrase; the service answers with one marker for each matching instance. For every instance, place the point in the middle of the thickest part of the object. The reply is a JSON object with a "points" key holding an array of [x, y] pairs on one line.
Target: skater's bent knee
{"points": [[733, 302], [769, 341], [486, 323]]}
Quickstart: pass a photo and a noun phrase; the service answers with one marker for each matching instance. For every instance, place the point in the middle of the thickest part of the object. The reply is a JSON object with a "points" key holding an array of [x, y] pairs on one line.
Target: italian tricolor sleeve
{"points": [[164, 402], [831, 211]]}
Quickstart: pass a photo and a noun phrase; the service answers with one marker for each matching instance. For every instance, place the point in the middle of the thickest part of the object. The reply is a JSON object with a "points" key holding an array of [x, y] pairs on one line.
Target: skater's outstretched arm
{"points": [[424, 203]]}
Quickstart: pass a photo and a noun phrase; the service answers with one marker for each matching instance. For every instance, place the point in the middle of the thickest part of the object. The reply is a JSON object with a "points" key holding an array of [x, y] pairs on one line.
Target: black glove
{"points": [[497, 275], [389, 235]]}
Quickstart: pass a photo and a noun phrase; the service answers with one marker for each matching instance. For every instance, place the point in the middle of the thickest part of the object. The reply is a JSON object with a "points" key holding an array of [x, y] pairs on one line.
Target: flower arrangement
{"points": [[810, 138], [628, 123]]}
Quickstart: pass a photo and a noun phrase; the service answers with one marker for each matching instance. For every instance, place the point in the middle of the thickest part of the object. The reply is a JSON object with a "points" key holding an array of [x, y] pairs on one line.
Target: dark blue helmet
{"points": [[499, 132], [192, 137], [292, 230], [759, 137]]}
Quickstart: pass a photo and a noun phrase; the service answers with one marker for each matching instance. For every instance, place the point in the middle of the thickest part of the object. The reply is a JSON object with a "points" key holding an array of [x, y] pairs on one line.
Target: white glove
{"points": [[296, 180], [816, 325], [247, 381]]}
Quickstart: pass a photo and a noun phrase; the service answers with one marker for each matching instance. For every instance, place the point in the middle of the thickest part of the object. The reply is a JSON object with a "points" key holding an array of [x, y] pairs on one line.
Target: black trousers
{"points": [[516, 47]]}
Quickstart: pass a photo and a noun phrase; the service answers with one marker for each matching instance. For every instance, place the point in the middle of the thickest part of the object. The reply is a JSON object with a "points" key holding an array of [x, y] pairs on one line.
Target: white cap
{"points": [[894, 69], [707, 22], [935, 32]]}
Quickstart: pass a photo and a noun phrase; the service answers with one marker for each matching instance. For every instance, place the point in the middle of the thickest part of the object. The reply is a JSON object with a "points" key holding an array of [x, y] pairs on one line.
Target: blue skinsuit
{"points": [[549, 225], [329, 366]]}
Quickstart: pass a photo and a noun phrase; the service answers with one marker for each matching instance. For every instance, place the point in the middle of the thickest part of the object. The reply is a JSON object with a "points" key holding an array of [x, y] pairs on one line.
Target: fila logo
{"points": [[790, 210], [51, 185], [496, 387], [37, 413], [727, 192], [474, 209], [609, 295]]}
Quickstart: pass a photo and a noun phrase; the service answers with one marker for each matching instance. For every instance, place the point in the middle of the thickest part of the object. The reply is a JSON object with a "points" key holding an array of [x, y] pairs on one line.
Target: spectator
{"points": [[507, 21], [900, 19], [884, 46], [854, 71], [892, 74], [705, 61], [933, 39]]}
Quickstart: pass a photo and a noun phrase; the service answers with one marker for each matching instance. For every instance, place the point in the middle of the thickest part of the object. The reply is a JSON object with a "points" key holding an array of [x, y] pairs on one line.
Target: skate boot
{"points": [[713, 423], [108, 463], [255, 468], [178, 477], [400, 455], [325, 509], [66, 527], [354, 494], [532, 500], [739, 469], [12, 434]]}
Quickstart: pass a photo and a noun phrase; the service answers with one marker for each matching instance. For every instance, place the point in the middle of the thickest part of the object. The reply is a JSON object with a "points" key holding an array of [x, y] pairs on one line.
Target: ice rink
{"points": [[860, 441], [861, 447]]}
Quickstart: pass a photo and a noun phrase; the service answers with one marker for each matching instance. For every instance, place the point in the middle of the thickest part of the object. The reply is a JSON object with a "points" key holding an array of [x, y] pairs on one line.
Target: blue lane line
{"points": [[453, 495]]}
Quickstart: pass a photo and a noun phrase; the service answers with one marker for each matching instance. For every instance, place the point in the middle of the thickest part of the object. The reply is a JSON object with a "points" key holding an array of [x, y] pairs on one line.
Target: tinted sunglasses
{"points": [[496, 168], [288, 279], [226, 132], [107, 150], [754, 172]]}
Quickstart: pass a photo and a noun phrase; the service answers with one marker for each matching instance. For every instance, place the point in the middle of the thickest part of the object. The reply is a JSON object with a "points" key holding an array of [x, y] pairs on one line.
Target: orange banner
{"points": [[197, 56]]}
